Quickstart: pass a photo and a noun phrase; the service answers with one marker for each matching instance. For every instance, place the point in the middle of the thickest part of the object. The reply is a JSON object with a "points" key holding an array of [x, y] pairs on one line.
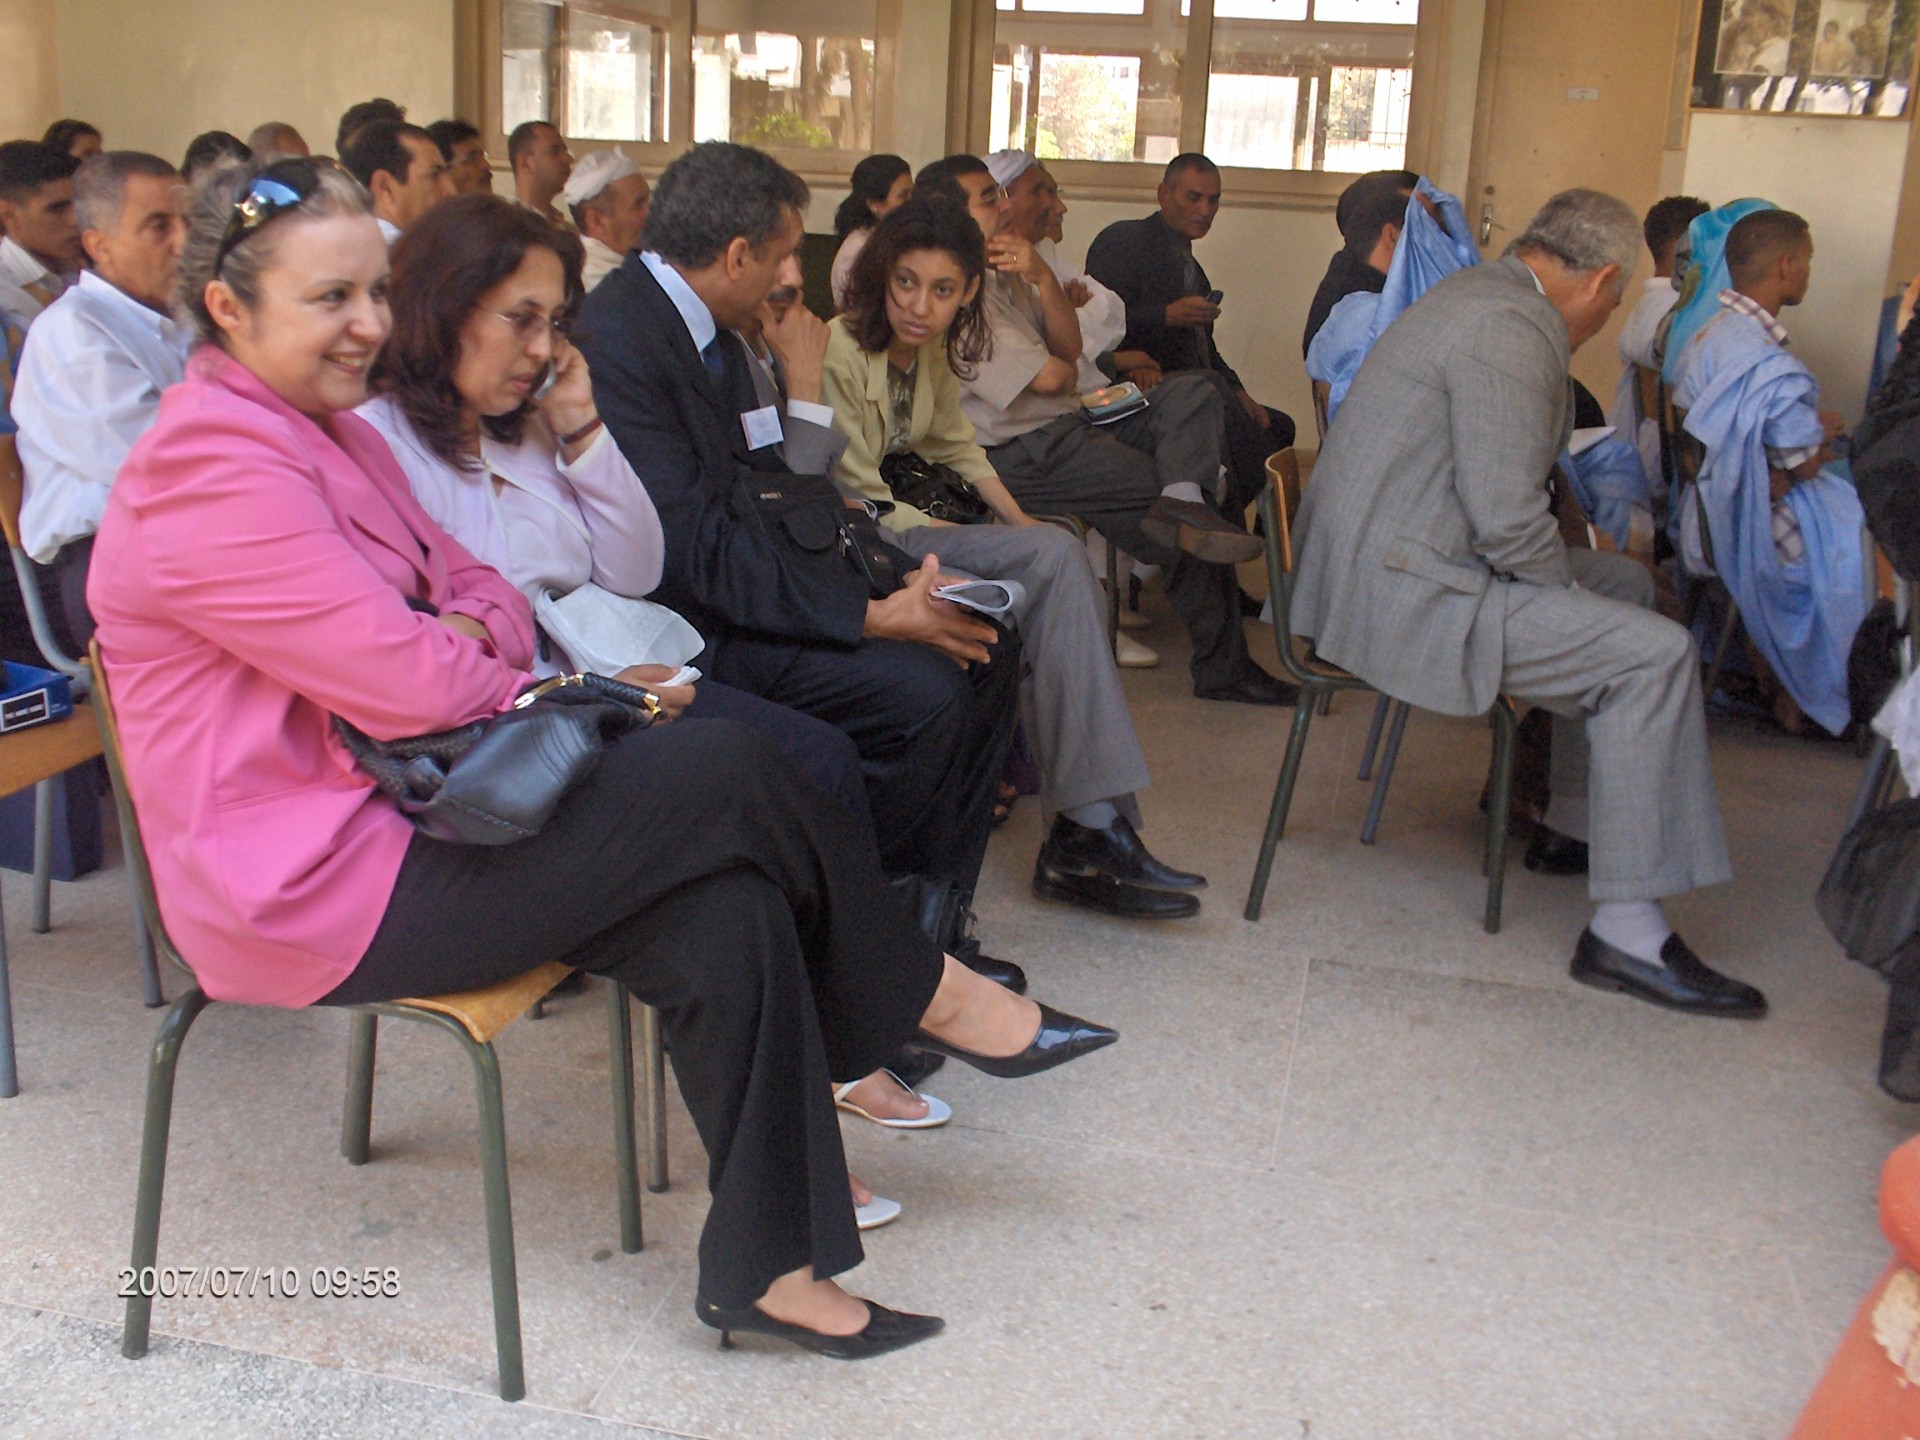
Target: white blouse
{"points": [[553, 525]]}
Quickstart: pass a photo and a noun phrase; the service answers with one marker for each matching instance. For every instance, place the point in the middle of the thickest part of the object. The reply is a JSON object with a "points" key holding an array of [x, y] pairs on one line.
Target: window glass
{"points": [[811, 90], [598, 72], [1088, 79]]}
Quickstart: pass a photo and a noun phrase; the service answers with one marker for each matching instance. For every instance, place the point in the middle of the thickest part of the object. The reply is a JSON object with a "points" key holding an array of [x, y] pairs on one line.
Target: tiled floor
{"points": [[1359, 1170]]}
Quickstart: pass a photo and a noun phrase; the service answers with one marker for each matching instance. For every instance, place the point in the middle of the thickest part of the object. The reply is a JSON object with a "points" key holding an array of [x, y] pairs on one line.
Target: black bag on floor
{"points": [[1870, 898]]}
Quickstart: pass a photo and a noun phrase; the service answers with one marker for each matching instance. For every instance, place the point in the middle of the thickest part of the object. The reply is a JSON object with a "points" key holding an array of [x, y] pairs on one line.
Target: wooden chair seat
{"points": [[485, 1013]]}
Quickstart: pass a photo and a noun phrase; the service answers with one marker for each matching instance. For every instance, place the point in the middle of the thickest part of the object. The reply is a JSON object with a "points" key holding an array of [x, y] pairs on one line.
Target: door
{"points": [[1574, 94]]}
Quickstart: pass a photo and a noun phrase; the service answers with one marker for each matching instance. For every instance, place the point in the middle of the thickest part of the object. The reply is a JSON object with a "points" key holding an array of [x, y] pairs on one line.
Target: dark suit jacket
{"points": [[735, 577], [1146, 265]]}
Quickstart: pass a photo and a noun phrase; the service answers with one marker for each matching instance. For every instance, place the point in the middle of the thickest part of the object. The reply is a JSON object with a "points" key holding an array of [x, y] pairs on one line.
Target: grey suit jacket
{"points": [[808, 449], [1432, 482]]}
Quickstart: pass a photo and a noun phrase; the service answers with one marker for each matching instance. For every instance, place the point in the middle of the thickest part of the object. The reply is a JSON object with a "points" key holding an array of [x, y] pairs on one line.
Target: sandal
{"points": [[938, 1111], [1003, 802]]}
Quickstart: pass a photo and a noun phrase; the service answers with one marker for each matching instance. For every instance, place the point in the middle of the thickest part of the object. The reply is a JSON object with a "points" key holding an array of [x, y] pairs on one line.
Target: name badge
{"points": [[762, 427]]}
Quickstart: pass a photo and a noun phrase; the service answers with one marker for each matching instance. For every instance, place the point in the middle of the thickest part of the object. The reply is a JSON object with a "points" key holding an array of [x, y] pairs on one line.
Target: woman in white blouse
{"points": [[526, 477]]}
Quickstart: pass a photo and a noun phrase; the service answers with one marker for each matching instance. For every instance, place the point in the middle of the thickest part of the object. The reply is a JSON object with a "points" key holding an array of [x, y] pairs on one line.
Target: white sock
{"points": [[1184, 490], [1097, 816], [1638, 927]]}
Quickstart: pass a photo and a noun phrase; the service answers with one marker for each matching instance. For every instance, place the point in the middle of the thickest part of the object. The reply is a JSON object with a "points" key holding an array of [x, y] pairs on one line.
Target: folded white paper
{"points": [[989, 597], [605, 633]]}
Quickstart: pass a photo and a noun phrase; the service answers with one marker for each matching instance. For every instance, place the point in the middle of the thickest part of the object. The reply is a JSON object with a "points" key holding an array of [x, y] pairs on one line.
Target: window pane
{"points": [[1328, 93], [808, 90], [599, 72], [526, 38], [1080, 80]]}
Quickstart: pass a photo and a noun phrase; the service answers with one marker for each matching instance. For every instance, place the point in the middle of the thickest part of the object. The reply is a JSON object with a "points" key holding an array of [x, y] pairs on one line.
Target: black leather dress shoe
{"points": [[1681, 982], [1551, 853], [885, 1330], [1201, 531], [1061, 1038], [1112, 897], [1253, 686], [1115, 852]]}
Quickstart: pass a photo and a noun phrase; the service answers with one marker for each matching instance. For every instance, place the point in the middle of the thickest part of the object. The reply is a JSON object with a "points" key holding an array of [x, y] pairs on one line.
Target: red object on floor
{"points": [[1871, 1389]]}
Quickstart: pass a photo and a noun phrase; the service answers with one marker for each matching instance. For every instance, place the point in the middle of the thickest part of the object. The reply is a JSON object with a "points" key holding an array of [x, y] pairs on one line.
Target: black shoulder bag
{"points": [[499, 779], [937, 490]]}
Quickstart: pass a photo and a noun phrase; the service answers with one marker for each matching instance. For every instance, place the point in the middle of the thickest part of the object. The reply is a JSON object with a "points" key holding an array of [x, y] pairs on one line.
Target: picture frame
{"points": [[1830, 58]]}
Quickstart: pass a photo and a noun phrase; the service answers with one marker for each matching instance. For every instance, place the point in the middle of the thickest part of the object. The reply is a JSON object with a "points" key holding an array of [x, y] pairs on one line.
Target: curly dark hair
{"points": [[923, 223], [715, 193], [442, 265], [872, 178]]}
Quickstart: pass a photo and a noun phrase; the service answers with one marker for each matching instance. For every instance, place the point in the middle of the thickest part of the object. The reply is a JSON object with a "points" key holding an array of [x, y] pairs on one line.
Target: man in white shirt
{"points": [[1036, 214], [607, 197], [403, 171], [40, 255], [95, 365], [1665, 227], [541, 163]]}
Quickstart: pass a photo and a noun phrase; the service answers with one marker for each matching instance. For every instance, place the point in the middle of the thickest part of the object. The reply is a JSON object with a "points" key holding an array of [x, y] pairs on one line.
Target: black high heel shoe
{"points": [[1062, 1038], [885, 1330]]}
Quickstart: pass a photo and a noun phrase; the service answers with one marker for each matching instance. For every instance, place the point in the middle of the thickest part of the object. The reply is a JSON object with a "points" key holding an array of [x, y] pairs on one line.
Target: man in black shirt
{"points": [[1149, 263], [1350, 272]]}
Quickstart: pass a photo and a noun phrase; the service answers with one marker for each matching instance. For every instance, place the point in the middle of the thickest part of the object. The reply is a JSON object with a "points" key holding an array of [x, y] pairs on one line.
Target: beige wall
{"points": [[152, 74], [1844, 176], [30, 100]]}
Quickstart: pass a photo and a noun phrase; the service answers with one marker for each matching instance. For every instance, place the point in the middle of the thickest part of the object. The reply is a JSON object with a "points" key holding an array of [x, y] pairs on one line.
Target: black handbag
{"points": [[499, 779], [1870, 898], [812, 517], [936, 490]]}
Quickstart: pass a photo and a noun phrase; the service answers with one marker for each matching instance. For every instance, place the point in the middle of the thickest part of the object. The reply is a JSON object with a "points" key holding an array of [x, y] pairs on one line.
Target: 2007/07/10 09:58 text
{"points": [[246, 1282]]}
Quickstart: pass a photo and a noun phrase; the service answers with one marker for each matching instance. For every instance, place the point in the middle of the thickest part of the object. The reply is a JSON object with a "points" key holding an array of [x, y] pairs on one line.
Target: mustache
{"points": [[783, 295]]}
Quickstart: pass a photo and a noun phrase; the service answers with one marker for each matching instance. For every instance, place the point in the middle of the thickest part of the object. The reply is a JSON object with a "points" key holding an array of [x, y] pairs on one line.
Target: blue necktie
{"points": [[715, 358]]}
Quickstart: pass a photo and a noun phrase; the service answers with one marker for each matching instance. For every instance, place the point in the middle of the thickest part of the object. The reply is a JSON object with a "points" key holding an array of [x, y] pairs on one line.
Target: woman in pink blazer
{"points": [[263, 568]]}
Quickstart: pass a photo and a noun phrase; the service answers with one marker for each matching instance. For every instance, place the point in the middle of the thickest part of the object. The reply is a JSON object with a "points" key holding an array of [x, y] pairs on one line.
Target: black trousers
{"points": [[70, 570], [932, 737], [1248, 447], [828, 757], [704, 872]]}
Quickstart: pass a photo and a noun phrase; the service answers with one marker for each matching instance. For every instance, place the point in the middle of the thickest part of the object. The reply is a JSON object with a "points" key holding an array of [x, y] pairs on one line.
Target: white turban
{"points": [[594, 173], [1007, 166]]}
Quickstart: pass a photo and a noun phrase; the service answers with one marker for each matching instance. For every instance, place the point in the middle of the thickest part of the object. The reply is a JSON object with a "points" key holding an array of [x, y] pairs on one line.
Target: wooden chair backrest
{"points": [[1283, 474], [12, 478], [130, 838], [1322, 392]]}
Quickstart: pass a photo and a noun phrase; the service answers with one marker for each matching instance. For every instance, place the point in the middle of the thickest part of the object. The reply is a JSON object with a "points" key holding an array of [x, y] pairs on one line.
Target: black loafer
{"points": [[1253, 686], [1551, 853], [1112, 897], [1115, 852], [1682, 982]]}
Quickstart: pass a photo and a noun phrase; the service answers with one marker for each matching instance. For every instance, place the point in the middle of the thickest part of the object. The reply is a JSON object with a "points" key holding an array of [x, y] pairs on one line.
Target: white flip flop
{"points": [[938, 1111], [876, 1212]]}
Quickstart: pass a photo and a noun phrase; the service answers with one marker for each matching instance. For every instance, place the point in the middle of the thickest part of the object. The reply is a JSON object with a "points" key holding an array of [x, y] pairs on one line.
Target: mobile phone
{"points": [[544, 386], [1214, 297]]}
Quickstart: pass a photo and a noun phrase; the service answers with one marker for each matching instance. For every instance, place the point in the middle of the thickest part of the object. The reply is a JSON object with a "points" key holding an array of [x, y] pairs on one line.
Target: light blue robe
{"points": [[1704, 277], [1743, 393], [1610, 481], [1425, 256]]}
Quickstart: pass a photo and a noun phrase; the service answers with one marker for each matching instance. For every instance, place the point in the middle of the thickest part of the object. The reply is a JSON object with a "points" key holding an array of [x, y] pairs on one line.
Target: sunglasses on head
{"points": [[284, 185]]}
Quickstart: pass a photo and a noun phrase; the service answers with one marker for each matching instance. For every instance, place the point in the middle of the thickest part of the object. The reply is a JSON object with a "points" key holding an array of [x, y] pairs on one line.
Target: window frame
{"points": [[970, 99], [479, 92]]}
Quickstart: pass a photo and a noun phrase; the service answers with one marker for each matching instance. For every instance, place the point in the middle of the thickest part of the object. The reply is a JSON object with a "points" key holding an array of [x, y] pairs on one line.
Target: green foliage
{"points": [[785, 128], [1089, 116]]}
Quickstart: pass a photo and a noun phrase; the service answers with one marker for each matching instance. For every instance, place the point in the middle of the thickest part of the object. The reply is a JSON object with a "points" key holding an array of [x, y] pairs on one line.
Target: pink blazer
{"points": [[250, 581]]}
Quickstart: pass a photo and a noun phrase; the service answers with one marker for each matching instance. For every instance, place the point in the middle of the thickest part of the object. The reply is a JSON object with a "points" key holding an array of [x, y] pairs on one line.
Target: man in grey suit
{"points": [[1431, 567]]}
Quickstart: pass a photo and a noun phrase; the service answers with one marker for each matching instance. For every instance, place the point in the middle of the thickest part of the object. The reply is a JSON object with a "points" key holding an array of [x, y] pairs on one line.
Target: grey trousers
{"points": [[1070, 698], [1631, 732], [1107, 476]]}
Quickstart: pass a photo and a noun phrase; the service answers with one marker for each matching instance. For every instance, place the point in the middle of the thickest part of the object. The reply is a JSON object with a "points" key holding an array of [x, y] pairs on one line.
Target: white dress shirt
{"points": [[550, 524], [18, 269], [1657, 297], [90, 381], [1103, 319], [389, 231], [602, 261]]}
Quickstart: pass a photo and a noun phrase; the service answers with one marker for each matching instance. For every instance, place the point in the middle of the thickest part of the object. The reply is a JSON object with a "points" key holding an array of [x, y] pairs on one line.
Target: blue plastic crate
{"points": [[33, 697]]}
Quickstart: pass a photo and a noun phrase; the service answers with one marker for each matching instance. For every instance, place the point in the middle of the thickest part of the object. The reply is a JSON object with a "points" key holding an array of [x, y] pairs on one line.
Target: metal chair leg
{"points": [[625, 1153], [153, 1166], [1381, 705], [153, 996], [654, 1056], [43, 794], [1729, 628], [499, 1200], [356, 1123], [1113, 598], [1498, 805], [1378, 801], [1282, 803], [1326, 703], [1873, 784], [9, 1071]]}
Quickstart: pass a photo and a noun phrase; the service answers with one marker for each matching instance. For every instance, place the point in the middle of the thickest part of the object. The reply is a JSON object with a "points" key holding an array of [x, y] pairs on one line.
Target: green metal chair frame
{"points": [[357, 1120], [1279, 503]]}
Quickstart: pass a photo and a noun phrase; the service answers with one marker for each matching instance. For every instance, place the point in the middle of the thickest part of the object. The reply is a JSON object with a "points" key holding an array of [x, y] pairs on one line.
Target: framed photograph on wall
{"points": [[1806, 57]]}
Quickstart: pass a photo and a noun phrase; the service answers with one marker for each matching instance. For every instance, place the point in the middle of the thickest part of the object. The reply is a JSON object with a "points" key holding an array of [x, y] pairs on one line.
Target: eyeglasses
{"points": [[284, 185], [529, 325]]}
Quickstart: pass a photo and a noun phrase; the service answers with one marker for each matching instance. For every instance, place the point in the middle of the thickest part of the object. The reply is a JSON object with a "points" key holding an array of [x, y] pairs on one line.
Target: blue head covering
{"points": [[1706, 276], [1426, 254]]}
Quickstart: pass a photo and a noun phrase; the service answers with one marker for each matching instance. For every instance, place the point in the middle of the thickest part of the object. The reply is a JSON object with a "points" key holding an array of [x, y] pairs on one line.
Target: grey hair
{"points": [[1585, 231], [100, 185], [338, 193]]}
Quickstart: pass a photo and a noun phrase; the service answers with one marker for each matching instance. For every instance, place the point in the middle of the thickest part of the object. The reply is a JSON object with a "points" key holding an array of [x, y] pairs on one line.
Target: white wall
{"points": [[1844, 176], [30, 100], [155, 73]]}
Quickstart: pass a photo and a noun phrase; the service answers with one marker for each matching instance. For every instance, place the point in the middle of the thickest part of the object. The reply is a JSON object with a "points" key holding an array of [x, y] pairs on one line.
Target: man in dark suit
{"points": [[755, 558], [1149, 263]]}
